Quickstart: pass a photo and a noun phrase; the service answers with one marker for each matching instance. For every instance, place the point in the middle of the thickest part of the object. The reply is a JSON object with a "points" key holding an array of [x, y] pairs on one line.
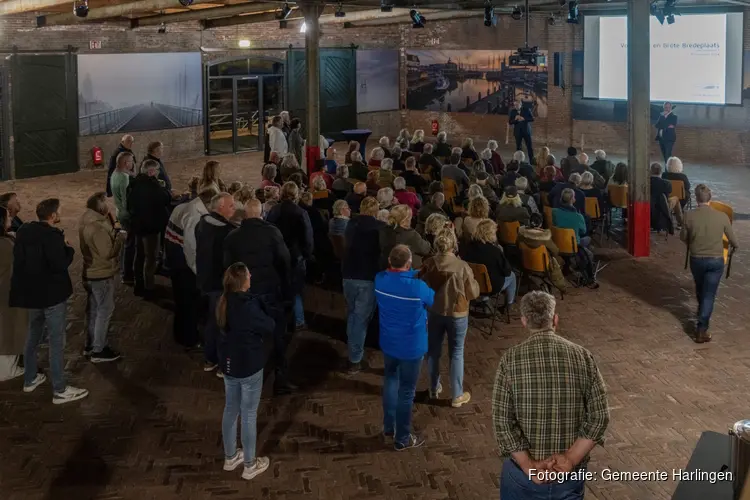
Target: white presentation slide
{"points": [[689, 59]]}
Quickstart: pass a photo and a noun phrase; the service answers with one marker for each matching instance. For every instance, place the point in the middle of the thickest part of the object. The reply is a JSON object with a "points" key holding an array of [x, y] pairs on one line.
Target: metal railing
{"points": [[106, 122], [181, 117]]}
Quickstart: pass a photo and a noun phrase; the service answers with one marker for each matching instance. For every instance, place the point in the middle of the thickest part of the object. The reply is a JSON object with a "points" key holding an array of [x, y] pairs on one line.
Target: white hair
{"points": [[442, 137], [583, 158], [456, 151], [492, 145], [383, 215], [428, 148], [468, 143], [377, 153], [674, 165], [522, 183], [386, 164], [399, 183], [356, 156], [538, 309], [385, 141], [385, 197], [587, 178], [319, 183], [418, 135], [600, 155], [519, 156], [575, 178], [396, 151], [486, 154], [216, 200], [475, 190]]}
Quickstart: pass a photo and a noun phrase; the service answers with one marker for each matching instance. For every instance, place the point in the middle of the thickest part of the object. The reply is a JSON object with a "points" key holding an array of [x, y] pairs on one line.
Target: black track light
{"points": [[340, 11], [81, 8], [516, 14], [551, 20], [417, 19]]}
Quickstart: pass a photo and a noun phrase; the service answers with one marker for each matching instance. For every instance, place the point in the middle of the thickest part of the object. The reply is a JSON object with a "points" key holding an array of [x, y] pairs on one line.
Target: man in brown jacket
{"points": [[455, 287], [100, 247], [703, 231]]}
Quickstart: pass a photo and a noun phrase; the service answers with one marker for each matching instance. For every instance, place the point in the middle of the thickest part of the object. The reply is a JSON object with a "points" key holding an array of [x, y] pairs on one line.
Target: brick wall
{"points": [[557, 129]]}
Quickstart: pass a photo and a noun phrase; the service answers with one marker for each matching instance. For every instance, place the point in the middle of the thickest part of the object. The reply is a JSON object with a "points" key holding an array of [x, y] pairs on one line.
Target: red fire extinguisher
{"points": [[435, 127], [97, 156]]}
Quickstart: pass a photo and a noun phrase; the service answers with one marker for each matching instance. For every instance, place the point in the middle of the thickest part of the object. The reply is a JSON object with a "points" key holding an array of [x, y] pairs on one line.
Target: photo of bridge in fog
{"points": [[138, 92]]}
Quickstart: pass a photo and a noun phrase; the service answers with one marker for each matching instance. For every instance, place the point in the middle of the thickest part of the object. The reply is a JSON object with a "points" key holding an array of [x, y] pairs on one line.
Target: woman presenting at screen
{"points": [[666, 131]]}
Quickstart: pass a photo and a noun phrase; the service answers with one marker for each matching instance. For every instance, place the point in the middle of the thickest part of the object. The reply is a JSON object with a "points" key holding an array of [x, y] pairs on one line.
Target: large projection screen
{"points": [[696, 60]]}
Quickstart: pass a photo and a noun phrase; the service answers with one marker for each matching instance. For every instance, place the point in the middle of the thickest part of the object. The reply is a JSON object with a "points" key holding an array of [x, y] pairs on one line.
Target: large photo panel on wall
{"points": [[377, 80], [473, 81], [120, 93]]}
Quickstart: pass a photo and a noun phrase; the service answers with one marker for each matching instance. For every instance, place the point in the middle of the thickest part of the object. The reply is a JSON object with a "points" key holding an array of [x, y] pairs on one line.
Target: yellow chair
{"points": [[565, 239], [618, 196], [485, 288], [723, 207], [593, 210], [320, 195], [547, 216], [678, 190], [450, 190], [536, 262], [507, 232]]}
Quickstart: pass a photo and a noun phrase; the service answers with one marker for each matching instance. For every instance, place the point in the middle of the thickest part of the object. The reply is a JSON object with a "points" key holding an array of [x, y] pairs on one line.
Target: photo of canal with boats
{"points": [[472, 81]]}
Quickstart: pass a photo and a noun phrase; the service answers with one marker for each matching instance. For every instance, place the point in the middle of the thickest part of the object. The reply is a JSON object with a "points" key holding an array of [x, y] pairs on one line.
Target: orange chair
{"points": [[723, 207], [507, 232], [450, 190], [565, 239], [319, 195], [678, 190], [593, 210], [485, 288], [536, 262], [547, 216], [618, 198]]}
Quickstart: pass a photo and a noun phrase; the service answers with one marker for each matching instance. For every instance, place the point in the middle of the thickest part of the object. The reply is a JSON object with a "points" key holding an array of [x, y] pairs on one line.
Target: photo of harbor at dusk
{"points": [[472, 81]]}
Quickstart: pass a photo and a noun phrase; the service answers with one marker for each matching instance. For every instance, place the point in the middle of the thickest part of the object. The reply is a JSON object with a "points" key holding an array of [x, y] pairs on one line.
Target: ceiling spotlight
{"points": [[516, 14], [186, 3], [81, 8], [573, 12], [162, 28], [284, 12], [340, 11], [385, 6], [551, 20], [489, 15], [417, 19], [303, 28], [244, 44]]}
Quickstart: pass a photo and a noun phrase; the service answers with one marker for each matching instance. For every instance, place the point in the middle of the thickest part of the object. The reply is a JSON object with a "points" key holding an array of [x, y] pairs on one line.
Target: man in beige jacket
{"points": [[100, 247]]}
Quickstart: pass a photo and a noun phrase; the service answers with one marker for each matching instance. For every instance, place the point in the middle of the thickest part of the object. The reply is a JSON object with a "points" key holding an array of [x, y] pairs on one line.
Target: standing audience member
{"points": [[210, 233], [211, 177], [260, 246], [41, 283], [341, 214], [12, 204], [323, 246], [286, 123], [148, 213], [402, 299], [357, 169], [703, 233], [276, 138], [244, 321], [399, 232], [405, 197], [155, 151], [359, 267], [100, 248], [295, 141], [549, 407], [455, 287], [125, 146], [119, 183], [354, 199], [14, 321]]}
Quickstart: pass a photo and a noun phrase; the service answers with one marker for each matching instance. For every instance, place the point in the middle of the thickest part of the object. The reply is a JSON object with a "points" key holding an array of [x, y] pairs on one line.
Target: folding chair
{"points": [[723, 207], [319, 195], [618, 199], [678, 190], [450, 190], [593, 210], [507, 232], [485, 288], [536, 262]]}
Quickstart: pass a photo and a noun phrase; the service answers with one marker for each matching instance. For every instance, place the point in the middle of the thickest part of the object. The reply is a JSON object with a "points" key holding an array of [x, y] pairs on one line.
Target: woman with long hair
{"points": [[620, 177], [211, 178], [541, 160], [14, 322], [243, 322], [399, 232]]}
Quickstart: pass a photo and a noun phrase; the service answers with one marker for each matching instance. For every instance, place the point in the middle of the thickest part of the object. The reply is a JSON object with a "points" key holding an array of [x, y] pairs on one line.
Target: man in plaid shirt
{"points": [[549, 409]]}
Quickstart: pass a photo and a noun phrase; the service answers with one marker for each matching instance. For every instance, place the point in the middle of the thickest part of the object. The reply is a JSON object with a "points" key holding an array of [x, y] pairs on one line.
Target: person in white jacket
{"points": [[276, 138]]}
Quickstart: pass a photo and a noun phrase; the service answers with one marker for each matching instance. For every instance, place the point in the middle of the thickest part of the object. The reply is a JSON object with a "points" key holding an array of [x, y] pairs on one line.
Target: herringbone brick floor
{"points": [[151, 426]]}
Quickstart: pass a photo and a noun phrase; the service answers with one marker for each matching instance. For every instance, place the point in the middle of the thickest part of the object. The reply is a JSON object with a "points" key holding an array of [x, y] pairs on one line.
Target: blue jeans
{"points": [[242, 400], [211, 330], [516, 485], [707, 275], [509, 287], [399, 386], [437, 327], [360, 302], [54, 319], [100, 304]]}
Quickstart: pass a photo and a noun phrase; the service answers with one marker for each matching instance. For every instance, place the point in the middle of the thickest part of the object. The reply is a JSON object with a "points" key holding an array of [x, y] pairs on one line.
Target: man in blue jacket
{"points": [[402, 301]]}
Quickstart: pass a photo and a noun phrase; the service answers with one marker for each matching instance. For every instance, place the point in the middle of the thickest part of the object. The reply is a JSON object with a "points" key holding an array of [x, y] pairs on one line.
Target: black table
{"points": [[360, 135], [711, 454]]}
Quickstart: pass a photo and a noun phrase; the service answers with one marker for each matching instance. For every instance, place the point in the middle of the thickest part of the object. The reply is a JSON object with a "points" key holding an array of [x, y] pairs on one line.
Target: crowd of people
{"points": [[401, 232]]}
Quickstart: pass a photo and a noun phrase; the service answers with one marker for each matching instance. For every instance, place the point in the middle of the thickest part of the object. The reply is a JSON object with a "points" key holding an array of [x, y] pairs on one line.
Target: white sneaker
{"points": [[234, 462], [38, 380], [434, 394], [68, 395], [219, 374], [259, 467]]}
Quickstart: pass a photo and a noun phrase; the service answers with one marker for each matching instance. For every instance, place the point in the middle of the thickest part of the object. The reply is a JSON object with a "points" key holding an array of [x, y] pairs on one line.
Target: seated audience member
{"points": [[399, 231], [12, 204], [211, 178], [498, 167], [486, 158], [483, 181], [330, 161], [386, 173], [483, 249], [434, 206], [385, 198], [244, 195], [268, 174], [320, 171], [573, 182], [405, 197], [357, 169], [376, 157], [569, 164], [321, 202], [289, 166], [468, 151], [442, 148], [398, 164], [455, 173], [429, 164], [234, 187], [533, 428], [558, 172], [524, 168], [674, 173], [535, 236], [510, 208], [385, 146], [662, 187], [402, 300], [403, 135], [479, 210], [373, 182], [547, 179], [405, 153], [590, 190], [599, 181], [299, 180], [417, 142], [354, 199], [383, 215], [583, 161], [602, 165], [541, 160], [341, 215], [565, 216], [353, 146], [455, 287], [620, 177], [511, 174], [433, 225], [528, 202], [412, 177], [342, 186], [359, 266]]}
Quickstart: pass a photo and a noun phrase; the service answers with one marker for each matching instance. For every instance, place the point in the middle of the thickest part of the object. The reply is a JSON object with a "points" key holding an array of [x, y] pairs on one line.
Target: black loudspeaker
{"points": [[557, 67]]}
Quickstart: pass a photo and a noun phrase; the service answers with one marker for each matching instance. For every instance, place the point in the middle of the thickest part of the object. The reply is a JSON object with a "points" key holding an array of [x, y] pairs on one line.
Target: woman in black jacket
{"points": [[483, 249], [243, 321]]}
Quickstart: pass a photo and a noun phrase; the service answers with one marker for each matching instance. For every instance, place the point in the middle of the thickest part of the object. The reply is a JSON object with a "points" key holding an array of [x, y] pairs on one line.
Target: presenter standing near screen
{"points": [[666, 131], [520, 118]]}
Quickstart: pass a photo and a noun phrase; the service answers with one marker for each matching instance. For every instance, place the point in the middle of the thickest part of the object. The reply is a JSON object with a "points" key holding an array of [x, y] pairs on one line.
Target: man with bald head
{"points": [[210, 233], [125, 146]]}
